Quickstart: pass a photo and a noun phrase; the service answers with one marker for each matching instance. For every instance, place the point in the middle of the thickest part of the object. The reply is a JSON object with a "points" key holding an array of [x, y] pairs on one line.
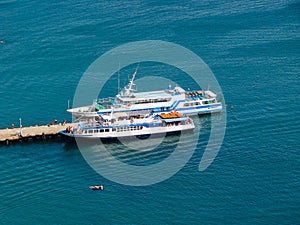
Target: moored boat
{"points": [[154, 102], [121, 125]]}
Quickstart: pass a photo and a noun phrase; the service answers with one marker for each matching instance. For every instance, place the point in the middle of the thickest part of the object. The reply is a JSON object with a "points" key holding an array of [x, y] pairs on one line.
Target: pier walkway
{"points": [[25, 134]]}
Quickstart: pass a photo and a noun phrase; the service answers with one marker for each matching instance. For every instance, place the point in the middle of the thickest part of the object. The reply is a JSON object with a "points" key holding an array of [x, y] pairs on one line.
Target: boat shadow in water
{"points": [[134, 151], [152, 138]]}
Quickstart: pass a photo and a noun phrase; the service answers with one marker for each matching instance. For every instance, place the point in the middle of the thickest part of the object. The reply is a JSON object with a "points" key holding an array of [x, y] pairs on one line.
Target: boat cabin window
{"points": [[145, 101], [192, 103]]}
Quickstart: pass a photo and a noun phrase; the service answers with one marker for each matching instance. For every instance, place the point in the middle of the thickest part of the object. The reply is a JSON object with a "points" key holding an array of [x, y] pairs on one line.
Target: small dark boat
{"points": [[97, 187]]}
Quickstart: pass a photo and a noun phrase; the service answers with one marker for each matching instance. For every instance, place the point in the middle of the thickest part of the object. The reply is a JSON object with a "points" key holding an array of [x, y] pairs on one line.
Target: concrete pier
{"points": [[24, 134]]}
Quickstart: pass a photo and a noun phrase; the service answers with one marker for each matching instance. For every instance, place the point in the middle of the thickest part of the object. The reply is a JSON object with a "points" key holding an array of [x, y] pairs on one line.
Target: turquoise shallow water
{"points": [[252, 47]]}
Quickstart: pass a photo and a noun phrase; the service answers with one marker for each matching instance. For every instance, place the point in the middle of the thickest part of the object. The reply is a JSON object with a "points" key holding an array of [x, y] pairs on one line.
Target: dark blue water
{"points": [[252, 47]]}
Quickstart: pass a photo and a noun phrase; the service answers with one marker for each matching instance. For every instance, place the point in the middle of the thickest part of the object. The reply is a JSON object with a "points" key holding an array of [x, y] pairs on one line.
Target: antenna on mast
{"points": [[129, 89], [131, 84]]}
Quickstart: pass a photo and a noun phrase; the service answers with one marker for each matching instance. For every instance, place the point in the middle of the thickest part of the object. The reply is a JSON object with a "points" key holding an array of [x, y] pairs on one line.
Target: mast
{"points": [[129, 89], [132, 79]]}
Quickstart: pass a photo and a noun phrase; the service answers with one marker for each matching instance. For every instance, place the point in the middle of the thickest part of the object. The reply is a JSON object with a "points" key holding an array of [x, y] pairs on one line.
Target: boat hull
{"points": [[144, 134], [191, 111]]}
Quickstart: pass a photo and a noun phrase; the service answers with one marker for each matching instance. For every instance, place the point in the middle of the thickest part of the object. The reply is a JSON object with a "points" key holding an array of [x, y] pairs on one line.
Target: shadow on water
{"points": [[139, 152], [70, 146]]}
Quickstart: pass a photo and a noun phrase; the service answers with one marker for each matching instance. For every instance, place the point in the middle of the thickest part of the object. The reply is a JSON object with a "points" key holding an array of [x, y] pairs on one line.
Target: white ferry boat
{"points": [[120, 125], [153, 102]]}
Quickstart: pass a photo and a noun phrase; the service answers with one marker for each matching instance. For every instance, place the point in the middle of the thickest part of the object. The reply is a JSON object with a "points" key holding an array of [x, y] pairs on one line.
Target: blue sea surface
{"points": [[253, 49]]}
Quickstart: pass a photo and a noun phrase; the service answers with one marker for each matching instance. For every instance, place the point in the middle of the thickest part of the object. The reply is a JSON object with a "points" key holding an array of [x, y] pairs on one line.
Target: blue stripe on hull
{"points": [[211, 108]]}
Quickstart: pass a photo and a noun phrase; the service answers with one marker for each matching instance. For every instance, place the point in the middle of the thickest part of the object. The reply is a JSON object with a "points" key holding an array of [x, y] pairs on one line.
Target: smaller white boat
{"points": [[97, 187], [120, 125]]}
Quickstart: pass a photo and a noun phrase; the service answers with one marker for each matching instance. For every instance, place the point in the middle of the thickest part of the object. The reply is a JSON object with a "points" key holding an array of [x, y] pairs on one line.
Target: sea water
{"points": [[252, 47]]}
